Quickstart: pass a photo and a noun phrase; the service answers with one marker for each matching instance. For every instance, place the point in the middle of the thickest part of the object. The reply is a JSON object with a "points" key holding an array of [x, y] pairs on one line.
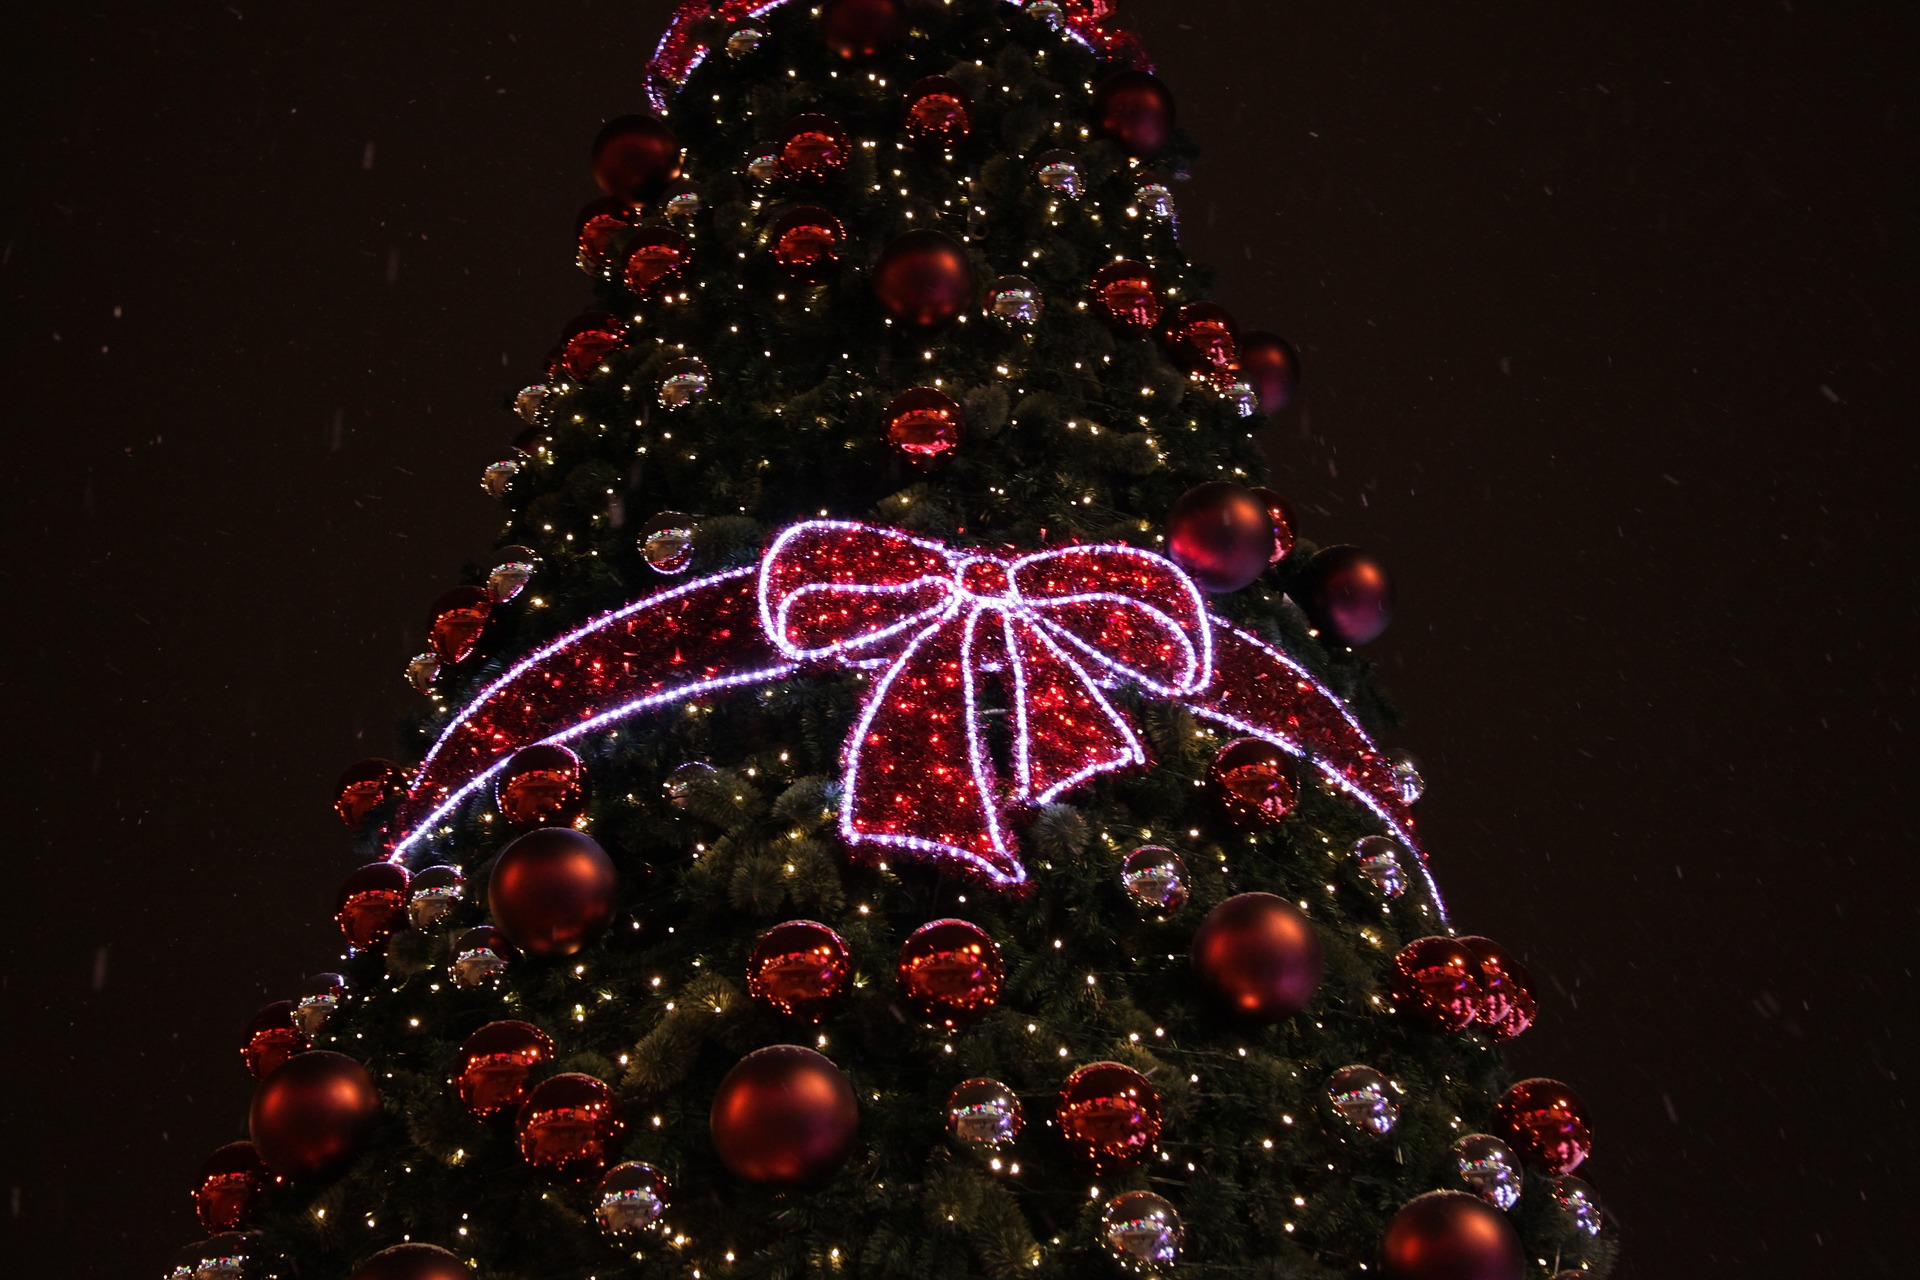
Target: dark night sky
{"points": [[1608, 325]]}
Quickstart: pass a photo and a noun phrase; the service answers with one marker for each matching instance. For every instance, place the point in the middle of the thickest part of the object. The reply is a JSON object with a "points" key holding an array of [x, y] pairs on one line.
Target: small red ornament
{"points": [[598, 230], [569, 1127], [1222, 534], [1128, 295], [366, 786], [1506, 1005], [1136, 110], [1546, 1122], [456, 620], [1110, 1115], [543, 785], [584, 347], [923, 279], [553, 891], [1261, 955], [272, 1036], [1347, 594], [813, 148], [862, 28], [1270, 365], [231, 1183], [801, 969], [1450, 1235], [1254, 782], [1437, 981], [312, 1116], [784, 1116], [413, 1262], [806, 242], [433, 893], [924, 426], [1280, 516], [372, 904], [656, 259], [478, 956], [1204, 338], [319, 996], [937, 113], [636, 157], [495, 1062], [950, 970]]}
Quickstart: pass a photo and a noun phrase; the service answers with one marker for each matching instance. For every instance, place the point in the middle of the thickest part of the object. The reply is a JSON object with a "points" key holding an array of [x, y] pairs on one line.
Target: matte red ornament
{"points": [[924, 426], [1222, 534], [1437, 981], [569, 1127], [784, 1116], [1450, 1235], [1506, 1005], [806, 241], [586, 344], [366, 786], [372, 904], [801, 969], [1110, 1115], [862, 28], [1347, 594], [495, 1063], [636, 157], [1255, 782], [656, 259], [598, 231], [413, 1262], [543, 785], [1270, 365], [456, 620], [813, 148], [937, 113], [272, 1036], [950, 970], [923, 279], [1261, 955], [1204, 338], [311, 1117], [1136, 110], [1546, 1122], [231, 1183], [1128, 295], [1280, 516], [553, 891]]}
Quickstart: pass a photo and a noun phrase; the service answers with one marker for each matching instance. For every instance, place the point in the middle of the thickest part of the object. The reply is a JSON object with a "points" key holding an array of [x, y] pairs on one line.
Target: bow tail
{"points": [[1065, 730]]}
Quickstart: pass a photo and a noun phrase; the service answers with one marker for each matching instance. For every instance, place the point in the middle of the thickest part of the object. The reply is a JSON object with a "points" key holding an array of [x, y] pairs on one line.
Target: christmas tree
{"points": [[901, 800]]}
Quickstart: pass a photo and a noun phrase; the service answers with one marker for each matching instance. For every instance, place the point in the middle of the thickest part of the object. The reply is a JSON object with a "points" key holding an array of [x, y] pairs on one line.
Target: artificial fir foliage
{"points": [[723, 812]]}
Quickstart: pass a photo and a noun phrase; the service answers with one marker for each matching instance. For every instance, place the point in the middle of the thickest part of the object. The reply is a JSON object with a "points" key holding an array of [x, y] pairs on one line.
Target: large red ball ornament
{"points": [[585, 345], [312, 1116], [371, 905], [1254, 782], [1110, 1115], [1546, 1122], [1348, 595], [1221, 534], [806, 241], [413, 1262], [1204, 338], [569, 1127], [784, 1116], [1128, 296], [1261, 955], [1280, 516], [635, 158], [924, 425], [543, 785], [950, 970], [1506, 1005], [1270, 365], [801, 969], [1450, 1235], [495, 1062], [553, 891], [366, 786], [813, 148], [656, 259], [272, 1036], [231, 1183], [862, 28], [937, 113], [598, 231], [1136, 110], [455, 621], [1437, 981], [923, 279]]}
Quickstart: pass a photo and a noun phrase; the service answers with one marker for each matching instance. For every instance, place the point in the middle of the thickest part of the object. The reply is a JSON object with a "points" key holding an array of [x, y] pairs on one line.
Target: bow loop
{"points": [[1133, 613]]}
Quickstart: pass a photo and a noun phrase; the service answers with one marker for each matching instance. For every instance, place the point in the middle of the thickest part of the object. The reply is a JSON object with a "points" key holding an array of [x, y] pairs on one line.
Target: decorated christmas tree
{"points": [[901, 800]]}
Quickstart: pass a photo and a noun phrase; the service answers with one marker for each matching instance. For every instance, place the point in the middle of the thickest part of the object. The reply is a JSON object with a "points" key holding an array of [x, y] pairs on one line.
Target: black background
{"points": [[1607, 322]]}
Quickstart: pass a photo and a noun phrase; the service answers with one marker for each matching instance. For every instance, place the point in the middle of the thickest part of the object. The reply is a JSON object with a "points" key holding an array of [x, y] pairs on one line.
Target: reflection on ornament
{"points": [[1127, 294], [813, 148], [1110, 1115], [364, 788], [498, 477], [682, 382], [1255, 782], [372, 904], [1364, 1098], [479, 957], [422, 670], [232, 1180], [683, 206], [1489, 1169], [682, 782], [1379, 859], [666, 544], [744, 41], [936, 113], [656, 259], [495, 1064], [569, 1127], [598, 232], [544, 785], [1436, 981], [630, 1199], [801, 969], [1506, 1005], [1204, 338], [455, 621], [1155, 201], [1406, 773], [229, 1256], [1016, 300], [1142, 1231], [587, 344], [1280, 516], [510, 575], [950, 971], [1238, 396], [271, 1037], [1058, 172], [433, 893], [764, 167], [983, 1114], [529, 403], [1578, 1204], [1155, 878], [1546, 1122], [319, 996], [924, 425], [806, 242]]}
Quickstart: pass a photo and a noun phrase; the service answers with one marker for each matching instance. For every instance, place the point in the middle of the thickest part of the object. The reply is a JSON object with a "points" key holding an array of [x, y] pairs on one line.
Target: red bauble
{"points": [[1127, 294], [1253, 780], [272, 1036], [813, 148], [1437, 981], [1347, 594], [598, 230], [366, 786], [372, 904], [656, 259], [312, 1116], [806, 242], [413, 1262], [1280, 516], [785, 1116], [1222, 534], [950, 970], [495, 1062], [924, 425], [553, 891], [636, 157], [1450, 1235], [1506, 1005], [456, 620], [1136, 111], [584, 347], [1546, 1122], [1261, 955], [477, 957], [923, 278], [937, 113], [543, 785], [231, 1183], [1110, 1115], [1270, 365], [1203, 337], [569, 1127], [433, 893], [862, 28], [800, 968]]}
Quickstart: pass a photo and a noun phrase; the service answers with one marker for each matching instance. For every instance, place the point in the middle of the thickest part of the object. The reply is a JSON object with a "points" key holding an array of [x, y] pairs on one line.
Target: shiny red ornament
{"points": [[478, 956], [1204, 338], [862, 28], [1221, 534], [813, 148], [372, 904], [586, 344], [569, 1127], [636, 157], [937, 113], [433, 893], [413, 1262], [806, 241], [801, 968], [1546, 1122], [313, 1115], [924, 426], [543, 785], [1437, 981], [1506, 1005], [598, 231], [1136, 110], [495, 1063], [456, 620], [319, 996], [366, 786], [1109, 1115], [1450, 1235], [950, 971], [1280, 516], [1255, 782], [657, 258], [1347, 594], [1261, 955], [923, 279], [272, 1036], [1270, 365], [232, 1180], [553, 891], [784, 1116], [1129, 296]]}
